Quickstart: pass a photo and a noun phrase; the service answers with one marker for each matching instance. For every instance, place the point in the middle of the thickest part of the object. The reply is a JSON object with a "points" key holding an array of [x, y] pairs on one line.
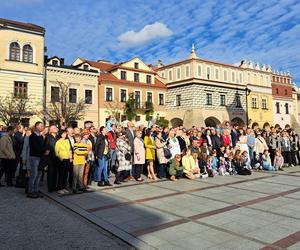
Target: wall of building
{"points": [[79, 80]]}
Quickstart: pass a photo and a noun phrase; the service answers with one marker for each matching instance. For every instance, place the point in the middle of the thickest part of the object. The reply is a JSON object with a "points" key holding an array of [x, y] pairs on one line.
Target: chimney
{"points": [[62, 61]]}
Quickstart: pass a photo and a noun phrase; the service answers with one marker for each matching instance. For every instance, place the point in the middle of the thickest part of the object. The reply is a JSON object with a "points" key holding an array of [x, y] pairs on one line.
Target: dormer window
{"points": [[123, 75], [55, 63], [136, 65], [86, 67]]}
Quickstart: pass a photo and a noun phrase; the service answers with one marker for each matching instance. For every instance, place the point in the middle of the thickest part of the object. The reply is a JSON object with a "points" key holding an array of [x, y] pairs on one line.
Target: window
{"points": [[86, 67], [277, 108], [14, 52], [163, 74], [277, 78], [178, 73], [137, 118], [187, 71], [148, 78], [222, 100], [54, 94], [178, 100], [136, 65], [109, 94], [286, 108], [285, 92], [123, 95], [199, 70], [170, 75], [277, 91], [55, 62], [123, 75], [20, 89], [241, 78], [264, 103], [232, 76], [208, 73], [238, 101], [249, 78], [137, 99], [88, 96], [27, 53], [225, 75], [288, 81], [161, 100], [136, 77], [149, 97], [273, 78], [72, 95], [284, 80], [217, 74], [254, 102], [208, 99]]}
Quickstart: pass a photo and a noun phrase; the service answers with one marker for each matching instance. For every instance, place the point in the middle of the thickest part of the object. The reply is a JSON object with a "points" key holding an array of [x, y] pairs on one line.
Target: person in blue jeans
{"points": [[267, 165], [102, 155]]}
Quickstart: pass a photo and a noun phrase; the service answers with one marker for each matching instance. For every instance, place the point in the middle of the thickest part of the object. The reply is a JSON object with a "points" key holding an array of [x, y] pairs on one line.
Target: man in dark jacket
{"points": [[52, 160], [102, 154], [37, 150], [235, 134]]}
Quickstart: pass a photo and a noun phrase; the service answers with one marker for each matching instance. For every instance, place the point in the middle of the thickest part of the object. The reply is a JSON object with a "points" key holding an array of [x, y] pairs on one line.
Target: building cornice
{"points": [[207, 82], [20, 72], [71, 71], [241, 88]]}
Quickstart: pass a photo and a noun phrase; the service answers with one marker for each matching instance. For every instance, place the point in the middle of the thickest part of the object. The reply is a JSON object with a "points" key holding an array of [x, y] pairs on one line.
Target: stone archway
{"points": [[211, 121], [176, 122], [238, 121]]}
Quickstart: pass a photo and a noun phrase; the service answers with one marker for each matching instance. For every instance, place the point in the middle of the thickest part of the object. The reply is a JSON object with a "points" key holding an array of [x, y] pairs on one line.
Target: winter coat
{"points": [[260, 145], [6, 148], [139, 151], [217, 142], [160, 145], [122, 148]]}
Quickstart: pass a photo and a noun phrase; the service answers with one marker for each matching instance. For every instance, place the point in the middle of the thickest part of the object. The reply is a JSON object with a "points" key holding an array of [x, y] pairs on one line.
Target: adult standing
{"points": [[52, 160], [129, 132], [37, 149], [173, 144], [124, 158], [139, 155], [112, 139], [70, 136], [162, 161], [102, 154], [150, 153], [217, 140], [7, 156], [89, 158]]}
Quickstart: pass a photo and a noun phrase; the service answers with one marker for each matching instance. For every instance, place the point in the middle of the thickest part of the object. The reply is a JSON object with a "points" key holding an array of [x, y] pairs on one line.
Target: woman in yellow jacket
{"points": [[150, 153], [64, 154], [189, 166]]}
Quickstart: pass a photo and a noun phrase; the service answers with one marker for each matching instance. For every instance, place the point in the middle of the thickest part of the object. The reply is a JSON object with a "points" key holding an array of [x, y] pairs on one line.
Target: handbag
{"points": [[127, 156], [167, 153]]}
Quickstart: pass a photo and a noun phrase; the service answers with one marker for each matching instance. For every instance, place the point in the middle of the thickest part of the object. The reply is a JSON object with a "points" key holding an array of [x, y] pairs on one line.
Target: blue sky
{"points": [[267, 32]]}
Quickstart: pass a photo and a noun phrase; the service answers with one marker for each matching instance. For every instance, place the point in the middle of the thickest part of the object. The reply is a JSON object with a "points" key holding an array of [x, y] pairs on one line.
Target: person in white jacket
{"points": [[173, 144]]}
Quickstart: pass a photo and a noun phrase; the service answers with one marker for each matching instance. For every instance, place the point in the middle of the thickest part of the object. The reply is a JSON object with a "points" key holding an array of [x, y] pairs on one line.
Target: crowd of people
{"points": [[72, 159]]}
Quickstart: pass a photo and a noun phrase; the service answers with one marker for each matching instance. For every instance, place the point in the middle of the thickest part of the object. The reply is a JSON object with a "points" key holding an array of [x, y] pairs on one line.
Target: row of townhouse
{"points": [[193, 91]]}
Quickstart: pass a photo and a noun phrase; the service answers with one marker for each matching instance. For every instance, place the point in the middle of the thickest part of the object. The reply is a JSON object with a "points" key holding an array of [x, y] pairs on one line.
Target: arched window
{"points": [[14, 51], [27, 53]]}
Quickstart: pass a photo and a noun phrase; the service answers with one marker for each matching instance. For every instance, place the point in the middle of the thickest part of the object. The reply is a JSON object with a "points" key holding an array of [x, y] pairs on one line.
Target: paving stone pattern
{"points": [[44, 224]]}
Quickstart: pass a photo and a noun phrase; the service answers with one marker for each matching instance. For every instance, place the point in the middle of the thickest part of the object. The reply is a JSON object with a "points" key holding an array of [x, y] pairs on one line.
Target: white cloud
{"points": [[148, 33]]}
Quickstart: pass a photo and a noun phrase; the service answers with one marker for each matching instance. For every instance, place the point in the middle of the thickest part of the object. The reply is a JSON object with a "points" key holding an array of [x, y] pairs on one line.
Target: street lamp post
{"points": [[248, 91]]}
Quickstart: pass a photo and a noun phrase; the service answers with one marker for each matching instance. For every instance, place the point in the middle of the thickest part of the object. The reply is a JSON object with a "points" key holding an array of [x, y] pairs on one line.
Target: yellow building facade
{"points": [[22, 64], [259, 95]]}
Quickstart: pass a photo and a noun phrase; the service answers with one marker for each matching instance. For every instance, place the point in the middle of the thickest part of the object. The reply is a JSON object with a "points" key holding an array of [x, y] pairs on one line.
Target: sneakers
{"points": [[101, 184], [66, 191], [32, 195], [61, 191], [107, 184]]}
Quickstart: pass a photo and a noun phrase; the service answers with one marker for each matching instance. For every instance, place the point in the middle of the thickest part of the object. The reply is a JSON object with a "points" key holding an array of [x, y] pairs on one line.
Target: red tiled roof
{"points": [[118, 66], [108, 77], [22, 25], [100, 65]]}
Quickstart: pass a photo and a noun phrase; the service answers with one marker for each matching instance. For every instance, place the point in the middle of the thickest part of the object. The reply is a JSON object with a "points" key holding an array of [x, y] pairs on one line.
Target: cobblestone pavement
{"points": [[43, 224], [261, 211]]}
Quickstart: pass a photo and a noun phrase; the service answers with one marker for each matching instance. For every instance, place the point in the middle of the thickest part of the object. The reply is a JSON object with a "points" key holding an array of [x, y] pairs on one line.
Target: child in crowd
{"points": [[278, 160], [230, 166], [215, 165], [246, 160], [223, 167], [203, 166], [267, 161], [175, 169], [239, 164], [81, 151]]}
